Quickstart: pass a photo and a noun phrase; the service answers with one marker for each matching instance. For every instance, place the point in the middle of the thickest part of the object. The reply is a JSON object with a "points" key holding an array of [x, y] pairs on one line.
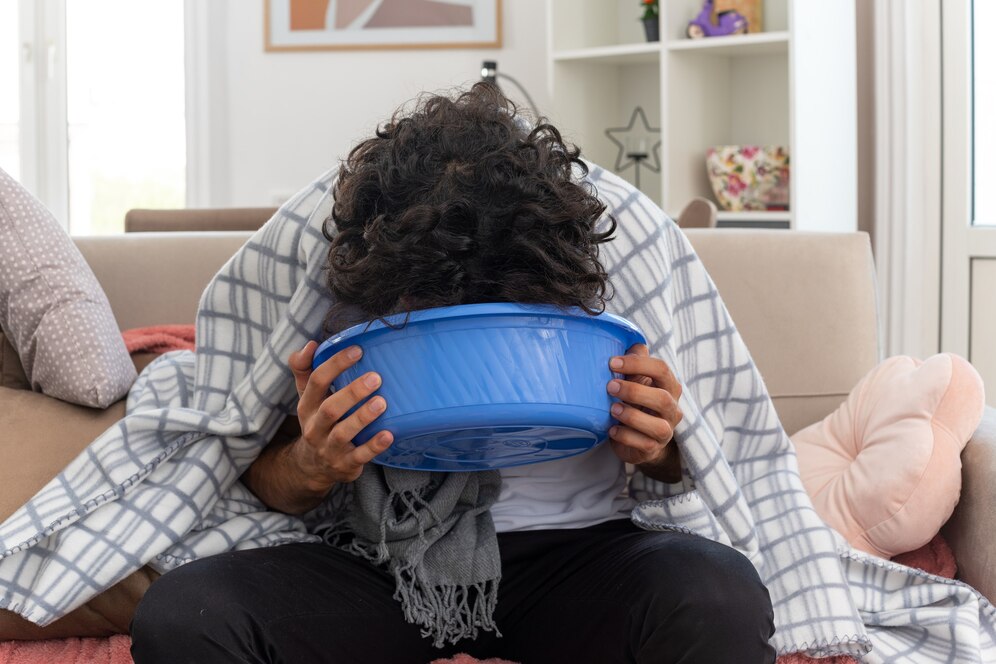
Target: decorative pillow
{"points": [[53, 310], [884, 469]]}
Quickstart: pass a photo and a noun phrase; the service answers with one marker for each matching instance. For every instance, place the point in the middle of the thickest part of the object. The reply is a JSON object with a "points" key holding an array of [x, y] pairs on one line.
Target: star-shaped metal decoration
{"points": [[629, 157]]}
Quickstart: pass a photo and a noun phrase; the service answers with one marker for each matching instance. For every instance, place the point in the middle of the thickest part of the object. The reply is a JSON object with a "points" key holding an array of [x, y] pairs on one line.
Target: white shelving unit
{"points": [[752, 216], [793, 84], [737, 45]]}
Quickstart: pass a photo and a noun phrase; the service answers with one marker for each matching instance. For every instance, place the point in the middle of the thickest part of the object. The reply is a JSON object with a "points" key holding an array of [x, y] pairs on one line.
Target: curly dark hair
{"points": [[460, 202]]}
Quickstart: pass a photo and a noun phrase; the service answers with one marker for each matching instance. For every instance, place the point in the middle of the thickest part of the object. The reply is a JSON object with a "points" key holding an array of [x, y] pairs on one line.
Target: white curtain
{"points": [[908, 173]]}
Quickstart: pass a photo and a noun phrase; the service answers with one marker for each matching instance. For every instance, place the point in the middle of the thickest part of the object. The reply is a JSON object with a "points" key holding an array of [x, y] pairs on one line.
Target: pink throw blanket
{"points": [[112, 650], [158, 339]]}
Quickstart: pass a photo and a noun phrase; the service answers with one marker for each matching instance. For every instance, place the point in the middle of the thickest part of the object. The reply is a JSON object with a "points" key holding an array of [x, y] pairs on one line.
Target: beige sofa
{"points": [[805, 304]]}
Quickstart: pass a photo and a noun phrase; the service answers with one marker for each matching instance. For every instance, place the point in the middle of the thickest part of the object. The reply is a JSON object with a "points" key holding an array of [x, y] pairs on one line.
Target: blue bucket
{"points": [[484, 386]]}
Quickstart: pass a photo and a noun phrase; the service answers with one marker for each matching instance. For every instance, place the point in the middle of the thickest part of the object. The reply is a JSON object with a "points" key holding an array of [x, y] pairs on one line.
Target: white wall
{"points": [[279, 119]]}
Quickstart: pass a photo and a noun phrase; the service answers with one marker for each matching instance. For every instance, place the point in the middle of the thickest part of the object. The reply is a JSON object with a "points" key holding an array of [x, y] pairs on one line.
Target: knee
{"points": [[730, 587], [707, 601], [708, 582], [193, 600]]}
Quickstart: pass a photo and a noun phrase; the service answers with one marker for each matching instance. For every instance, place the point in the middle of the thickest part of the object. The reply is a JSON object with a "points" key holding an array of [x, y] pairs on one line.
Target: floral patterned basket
{"points": [[749, 177]]}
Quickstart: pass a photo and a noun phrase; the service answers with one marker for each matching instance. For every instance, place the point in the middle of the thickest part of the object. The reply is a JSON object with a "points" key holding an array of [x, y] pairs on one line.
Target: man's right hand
{"points": [[294, 475], [325, 451]]}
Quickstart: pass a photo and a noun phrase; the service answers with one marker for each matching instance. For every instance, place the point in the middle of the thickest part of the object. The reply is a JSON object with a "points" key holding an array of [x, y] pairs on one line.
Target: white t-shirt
{"points": [[575, 492]]}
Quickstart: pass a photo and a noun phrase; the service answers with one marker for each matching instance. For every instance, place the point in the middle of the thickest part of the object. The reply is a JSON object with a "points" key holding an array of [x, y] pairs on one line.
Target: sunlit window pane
{"points": [[984, 98], [10, 53], [125, 110]]}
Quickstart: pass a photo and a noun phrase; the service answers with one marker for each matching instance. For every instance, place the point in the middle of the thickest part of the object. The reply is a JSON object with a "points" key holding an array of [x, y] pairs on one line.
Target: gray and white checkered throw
{"points": [[161, 487]]}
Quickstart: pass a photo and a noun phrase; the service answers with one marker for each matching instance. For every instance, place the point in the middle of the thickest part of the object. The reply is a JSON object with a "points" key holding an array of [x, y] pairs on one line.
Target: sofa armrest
{"points": [[971, 531]]}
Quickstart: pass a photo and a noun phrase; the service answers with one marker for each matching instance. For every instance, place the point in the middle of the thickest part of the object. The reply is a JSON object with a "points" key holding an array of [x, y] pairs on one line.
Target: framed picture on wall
{"points": [[307, 25]]}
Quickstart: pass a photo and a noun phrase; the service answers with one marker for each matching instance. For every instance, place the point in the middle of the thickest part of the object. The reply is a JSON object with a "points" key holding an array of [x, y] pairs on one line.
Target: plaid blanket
{"points": [[161, 487]]}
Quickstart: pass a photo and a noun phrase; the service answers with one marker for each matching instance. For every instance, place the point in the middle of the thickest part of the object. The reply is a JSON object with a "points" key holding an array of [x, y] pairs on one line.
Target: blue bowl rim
{"points": [[630, 330]]}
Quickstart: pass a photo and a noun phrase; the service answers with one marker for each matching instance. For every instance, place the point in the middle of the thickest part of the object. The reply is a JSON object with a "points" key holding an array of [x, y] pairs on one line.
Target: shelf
{"points": [[755, 215], [757, 44], [622, 54], [762, 88]]}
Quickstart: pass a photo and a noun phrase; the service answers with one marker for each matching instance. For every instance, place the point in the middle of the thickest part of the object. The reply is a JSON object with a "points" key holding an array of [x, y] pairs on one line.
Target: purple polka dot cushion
{"points": [[53, 310]]}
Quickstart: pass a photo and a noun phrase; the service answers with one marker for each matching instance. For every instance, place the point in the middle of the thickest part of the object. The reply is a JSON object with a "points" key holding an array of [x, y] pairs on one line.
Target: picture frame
{"points": [[330, 25]]}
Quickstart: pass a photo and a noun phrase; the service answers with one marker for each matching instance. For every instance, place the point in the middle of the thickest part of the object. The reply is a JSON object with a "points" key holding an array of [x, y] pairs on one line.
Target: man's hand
{"points": [[325, 451], [647, 414], [293, 475]]}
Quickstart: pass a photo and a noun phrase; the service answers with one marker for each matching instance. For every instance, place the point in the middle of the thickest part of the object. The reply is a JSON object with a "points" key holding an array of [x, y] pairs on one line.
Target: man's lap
{"points": [[586, 588]]}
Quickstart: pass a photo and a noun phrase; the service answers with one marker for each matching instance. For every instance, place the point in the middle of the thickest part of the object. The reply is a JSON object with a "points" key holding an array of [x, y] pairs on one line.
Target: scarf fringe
{"points": [[330, 519], [447, 613]]}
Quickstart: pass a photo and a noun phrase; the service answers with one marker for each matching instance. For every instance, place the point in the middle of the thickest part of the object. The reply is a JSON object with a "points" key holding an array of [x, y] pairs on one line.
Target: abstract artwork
{"points": [[302, 25]]}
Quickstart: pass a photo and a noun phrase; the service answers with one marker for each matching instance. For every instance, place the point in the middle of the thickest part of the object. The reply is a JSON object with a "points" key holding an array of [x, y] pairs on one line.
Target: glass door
{"points": [[968, 305]]}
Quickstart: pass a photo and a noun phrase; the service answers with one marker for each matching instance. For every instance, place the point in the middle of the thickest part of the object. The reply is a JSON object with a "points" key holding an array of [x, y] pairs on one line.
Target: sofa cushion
{"points": [[805, 306], [108, 613], [157, 278], [52, 309], [11, 372], [971, 527], [884, 469], [41, 435]]}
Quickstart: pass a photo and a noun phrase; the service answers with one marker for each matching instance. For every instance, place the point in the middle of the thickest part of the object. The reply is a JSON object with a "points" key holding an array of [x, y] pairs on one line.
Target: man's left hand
{"points": [[647, 413]]}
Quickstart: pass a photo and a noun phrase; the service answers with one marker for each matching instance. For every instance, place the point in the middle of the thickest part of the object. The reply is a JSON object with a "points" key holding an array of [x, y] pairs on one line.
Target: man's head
{"points": [[458, 202]]}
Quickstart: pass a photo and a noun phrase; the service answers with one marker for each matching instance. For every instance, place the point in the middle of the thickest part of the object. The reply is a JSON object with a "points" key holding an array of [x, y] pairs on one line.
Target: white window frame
{"points": [[205, 95], [963, 241], [43, 129], [43, 126]]}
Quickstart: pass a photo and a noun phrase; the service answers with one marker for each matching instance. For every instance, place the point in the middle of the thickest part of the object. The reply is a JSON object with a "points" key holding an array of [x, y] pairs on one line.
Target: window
{"points": [[125, 110], [983, 114], [105, 87], [10, 100]]}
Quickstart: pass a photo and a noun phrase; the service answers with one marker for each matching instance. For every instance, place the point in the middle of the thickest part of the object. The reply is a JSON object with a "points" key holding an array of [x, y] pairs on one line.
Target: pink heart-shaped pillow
{"points": [[884, 469]]}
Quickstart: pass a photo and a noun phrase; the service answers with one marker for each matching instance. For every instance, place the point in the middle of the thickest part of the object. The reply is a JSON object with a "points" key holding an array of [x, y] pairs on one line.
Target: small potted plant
{"points": [[651, 26]]}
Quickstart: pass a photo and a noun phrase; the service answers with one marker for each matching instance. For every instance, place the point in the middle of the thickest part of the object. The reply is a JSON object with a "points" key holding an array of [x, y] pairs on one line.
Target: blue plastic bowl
{"points": [[483, 386]]}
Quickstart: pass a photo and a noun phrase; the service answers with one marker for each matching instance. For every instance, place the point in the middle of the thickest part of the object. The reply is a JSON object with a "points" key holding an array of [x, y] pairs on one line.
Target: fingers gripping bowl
{"points": [[483, 386]]}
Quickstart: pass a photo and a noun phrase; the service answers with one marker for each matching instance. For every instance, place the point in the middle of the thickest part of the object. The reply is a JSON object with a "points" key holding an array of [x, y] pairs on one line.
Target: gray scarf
{"points": [[434, 533]]}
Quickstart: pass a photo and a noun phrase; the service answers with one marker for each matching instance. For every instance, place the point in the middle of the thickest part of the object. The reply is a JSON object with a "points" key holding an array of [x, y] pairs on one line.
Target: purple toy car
{"points": [[730, 23]]}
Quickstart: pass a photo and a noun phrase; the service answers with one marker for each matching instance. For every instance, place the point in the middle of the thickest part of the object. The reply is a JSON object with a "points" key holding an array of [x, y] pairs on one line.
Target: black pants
{"points": [[603, 594]]}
